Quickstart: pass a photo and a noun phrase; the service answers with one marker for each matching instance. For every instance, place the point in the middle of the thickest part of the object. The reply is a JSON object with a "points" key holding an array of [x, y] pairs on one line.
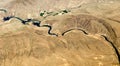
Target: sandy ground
{"points": [[91, 33]]}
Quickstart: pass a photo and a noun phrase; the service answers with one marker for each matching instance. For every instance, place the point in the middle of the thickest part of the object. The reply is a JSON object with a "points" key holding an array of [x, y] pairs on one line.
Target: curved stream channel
{"points": [[37, 23], [34, 22]]}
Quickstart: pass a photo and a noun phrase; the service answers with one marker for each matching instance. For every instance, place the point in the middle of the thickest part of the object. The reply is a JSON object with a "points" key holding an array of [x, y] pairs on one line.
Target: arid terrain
{"points": [[59, 33]]}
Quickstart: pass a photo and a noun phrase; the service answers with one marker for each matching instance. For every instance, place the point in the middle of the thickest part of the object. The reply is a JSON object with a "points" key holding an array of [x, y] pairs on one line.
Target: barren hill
{"points": [[68, 33]]}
